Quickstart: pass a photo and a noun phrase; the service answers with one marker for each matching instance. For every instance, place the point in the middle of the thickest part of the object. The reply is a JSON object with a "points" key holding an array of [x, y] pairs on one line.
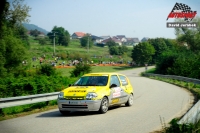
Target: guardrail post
{"points": [[47, 102], [1, 112]]}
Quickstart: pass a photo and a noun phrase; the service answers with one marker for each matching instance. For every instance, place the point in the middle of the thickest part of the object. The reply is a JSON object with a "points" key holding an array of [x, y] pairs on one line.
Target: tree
{"points": [[66, 39], [34, 33], [62, 36], [86, 40], [18, 12], [12, 50], [113, 50], [159, 46], [80, 69], [117, 50], [183, 57], [122, 49], [111, 43], [142, 53], [190, 37]]}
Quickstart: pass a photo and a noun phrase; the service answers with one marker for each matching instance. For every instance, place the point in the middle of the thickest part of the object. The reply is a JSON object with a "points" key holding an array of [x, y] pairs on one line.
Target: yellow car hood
{"points": [[80, 91]]}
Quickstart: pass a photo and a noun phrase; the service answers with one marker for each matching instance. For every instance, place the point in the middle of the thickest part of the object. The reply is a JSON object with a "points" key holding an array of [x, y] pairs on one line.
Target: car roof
{"points": [[102, 74]]}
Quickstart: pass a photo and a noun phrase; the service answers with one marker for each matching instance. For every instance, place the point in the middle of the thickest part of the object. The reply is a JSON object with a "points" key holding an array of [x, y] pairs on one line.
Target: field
{"points": [[75, 51], [74, 47]]}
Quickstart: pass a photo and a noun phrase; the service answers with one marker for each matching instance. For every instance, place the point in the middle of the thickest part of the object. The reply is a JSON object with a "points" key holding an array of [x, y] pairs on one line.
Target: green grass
{"points": [[66, 71], [152, 70]]}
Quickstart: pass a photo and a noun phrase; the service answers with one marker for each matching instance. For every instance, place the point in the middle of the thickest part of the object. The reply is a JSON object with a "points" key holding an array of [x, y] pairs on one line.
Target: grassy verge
{"points": [[174, 127], [18, 111]]}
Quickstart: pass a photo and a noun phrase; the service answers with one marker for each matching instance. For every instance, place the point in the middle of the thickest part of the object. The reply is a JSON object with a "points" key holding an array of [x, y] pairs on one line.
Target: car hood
{"points": [[80, 91]]}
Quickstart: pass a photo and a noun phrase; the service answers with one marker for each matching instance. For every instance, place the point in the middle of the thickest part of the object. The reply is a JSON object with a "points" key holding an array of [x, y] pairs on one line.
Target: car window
{"points": [[92, 81], [114, 80], [123, 80]]}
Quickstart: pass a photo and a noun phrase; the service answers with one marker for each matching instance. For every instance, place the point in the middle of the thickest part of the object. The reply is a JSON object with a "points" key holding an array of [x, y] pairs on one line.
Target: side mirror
{"points": [[113, 85], [70, 85]]}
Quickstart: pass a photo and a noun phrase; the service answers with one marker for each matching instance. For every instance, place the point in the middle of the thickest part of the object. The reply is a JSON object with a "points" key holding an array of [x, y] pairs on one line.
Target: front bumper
{"points": [[78, 105]]}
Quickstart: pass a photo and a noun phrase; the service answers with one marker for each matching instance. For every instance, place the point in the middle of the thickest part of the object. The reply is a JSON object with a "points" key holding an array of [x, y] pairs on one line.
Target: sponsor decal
{"points": [[116, 92], [77, 91], [115, 100]]}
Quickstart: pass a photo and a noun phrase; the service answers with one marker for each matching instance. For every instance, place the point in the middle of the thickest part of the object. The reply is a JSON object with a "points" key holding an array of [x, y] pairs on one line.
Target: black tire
{"points": [[104, 106], [64, 112], [130, 101]]}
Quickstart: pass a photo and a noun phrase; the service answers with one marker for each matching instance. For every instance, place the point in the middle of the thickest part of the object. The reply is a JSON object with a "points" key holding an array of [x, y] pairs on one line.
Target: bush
{"points": [[80, 69], [47, 69], [63, 56], [42, 41], [179, 128], [187, 65], [113, 50], [182, 63], [100, 44], [77, 56], [165, 62], [21, 86]]}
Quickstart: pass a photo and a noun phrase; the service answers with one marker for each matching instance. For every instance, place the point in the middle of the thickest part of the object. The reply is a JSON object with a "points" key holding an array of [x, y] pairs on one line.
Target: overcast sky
{"points": [[132, 18]]}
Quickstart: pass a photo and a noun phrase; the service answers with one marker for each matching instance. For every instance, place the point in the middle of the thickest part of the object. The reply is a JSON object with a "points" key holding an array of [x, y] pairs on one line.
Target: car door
{"points": [[125, 86], [116, 91]]}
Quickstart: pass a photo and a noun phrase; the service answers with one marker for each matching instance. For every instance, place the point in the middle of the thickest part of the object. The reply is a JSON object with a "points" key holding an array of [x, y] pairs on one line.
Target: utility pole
{"points": [[88, 45], [54, 43]]}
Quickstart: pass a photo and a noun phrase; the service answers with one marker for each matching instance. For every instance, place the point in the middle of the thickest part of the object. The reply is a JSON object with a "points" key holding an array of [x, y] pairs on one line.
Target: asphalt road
{"points": [[152, 99]]}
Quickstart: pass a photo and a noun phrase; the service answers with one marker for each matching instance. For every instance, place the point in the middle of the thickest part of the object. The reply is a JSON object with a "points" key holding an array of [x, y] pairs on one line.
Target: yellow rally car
{"points": [[96, 92]]}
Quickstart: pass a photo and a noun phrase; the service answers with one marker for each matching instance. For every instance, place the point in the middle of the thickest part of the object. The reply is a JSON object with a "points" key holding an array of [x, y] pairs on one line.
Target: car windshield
{"points": [[92, 81]]}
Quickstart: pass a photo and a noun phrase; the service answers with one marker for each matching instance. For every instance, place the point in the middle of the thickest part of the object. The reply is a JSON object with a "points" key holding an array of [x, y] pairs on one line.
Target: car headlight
{"points": [[91, 95], [61, 95]]}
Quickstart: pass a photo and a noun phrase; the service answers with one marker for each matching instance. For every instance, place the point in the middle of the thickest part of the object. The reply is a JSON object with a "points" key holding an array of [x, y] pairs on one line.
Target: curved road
{"points": [[152, 99]]}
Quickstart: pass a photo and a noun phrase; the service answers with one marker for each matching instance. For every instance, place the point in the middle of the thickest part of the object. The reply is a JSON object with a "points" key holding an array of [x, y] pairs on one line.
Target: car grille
{"points": [[74, 98], [74, 106]]}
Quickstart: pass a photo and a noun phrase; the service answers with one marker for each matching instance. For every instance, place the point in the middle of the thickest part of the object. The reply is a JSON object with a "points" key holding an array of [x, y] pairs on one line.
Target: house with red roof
{"points": [[78, 35]]}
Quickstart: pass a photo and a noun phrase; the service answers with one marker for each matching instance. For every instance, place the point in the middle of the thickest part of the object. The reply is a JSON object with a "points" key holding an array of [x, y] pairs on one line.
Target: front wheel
{"points": [[104, 106], [130, 101]]}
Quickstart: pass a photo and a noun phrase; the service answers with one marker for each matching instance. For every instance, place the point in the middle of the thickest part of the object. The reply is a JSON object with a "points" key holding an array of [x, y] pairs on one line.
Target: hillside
{"points": [[33, 27], [74, 51]]}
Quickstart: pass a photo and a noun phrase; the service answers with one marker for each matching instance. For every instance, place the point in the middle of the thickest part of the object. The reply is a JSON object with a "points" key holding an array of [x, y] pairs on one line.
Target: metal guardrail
{"points": [[193, 115], [195, 81], [23, 100]]}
